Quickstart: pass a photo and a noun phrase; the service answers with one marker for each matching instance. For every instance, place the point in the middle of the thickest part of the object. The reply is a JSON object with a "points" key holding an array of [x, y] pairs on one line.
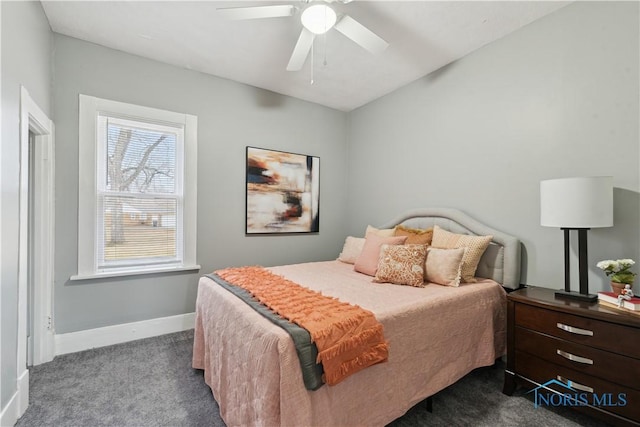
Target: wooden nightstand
{"points": [[595, 348]]}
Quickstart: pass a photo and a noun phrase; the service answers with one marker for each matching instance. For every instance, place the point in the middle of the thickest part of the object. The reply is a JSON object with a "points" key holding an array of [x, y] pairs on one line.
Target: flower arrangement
{"points": [[618, 270]]}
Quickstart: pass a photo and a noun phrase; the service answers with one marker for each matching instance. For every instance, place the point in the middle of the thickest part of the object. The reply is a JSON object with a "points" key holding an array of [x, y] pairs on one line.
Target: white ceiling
{"points": [[423, 36]]}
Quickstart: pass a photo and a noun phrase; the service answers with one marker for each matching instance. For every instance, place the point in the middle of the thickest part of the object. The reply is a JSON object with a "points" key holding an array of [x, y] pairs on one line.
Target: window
{"points": [[137, 190]]}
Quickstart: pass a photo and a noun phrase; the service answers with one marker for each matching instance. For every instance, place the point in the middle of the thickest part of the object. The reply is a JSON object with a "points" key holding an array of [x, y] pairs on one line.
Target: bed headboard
{"points": [[501, 260]]}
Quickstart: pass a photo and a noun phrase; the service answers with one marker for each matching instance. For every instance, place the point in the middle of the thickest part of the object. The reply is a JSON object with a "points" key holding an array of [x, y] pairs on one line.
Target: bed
{"points": [[436, 335]]}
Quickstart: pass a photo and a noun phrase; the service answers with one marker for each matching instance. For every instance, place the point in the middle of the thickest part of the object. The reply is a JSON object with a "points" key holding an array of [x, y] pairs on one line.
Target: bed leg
{"points": [[429, 402]]}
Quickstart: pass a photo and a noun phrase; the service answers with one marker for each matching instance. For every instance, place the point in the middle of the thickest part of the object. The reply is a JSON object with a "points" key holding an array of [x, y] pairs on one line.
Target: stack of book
{"points": [[609, 299]]}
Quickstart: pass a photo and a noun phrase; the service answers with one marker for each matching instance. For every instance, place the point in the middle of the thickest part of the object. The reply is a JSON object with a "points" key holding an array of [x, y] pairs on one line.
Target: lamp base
{"points": [[577, 296]]}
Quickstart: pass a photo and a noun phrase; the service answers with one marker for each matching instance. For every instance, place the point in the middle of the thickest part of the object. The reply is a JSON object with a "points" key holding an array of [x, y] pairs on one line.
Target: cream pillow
{"points": [[382, 232], [401, 265], [367, 262], [444, 266], [351, 249], [476, 245]]}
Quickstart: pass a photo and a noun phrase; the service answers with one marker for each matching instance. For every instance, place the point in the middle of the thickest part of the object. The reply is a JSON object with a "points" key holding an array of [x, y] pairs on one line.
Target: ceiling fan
{"points": [[317, 18]]}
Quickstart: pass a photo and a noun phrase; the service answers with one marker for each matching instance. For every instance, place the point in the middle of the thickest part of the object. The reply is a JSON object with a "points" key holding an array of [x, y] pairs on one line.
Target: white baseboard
{"points": [[23, 392], [18, 403], [9, 414], [116, 334]]}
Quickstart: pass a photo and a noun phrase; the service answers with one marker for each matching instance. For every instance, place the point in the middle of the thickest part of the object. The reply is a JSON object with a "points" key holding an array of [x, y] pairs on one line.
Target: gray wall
{"points": [[230, 117], [26, 52], [558, 98]]}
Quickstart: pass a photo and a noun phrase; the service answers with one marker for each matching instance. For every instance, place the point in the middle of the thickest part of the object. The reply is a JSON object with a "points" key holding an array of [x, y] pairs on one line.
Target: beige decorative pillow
{"points": [[382, 232], [401, 265], [476, 245], [444, 266], [415, 236], [351, 249], [367, 261]]}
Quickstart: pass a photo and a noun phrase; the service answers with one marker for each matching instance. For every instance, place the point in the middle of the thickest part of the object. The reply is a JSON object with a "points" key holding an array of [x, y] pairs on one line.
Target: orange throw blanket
{"points": [[348, 337]]}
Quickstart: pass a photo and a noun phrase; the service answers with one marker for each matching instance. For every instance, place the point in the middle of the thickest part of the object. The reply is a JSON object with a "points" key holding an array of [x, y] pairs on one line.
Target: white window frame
{"points": [[90, 110]]}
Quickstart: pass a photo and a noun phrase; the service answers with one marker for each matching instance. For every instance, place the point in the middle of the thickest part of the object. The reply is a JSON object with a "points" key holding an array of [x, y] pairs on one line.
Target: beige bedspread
{"points": [[436, 335]]}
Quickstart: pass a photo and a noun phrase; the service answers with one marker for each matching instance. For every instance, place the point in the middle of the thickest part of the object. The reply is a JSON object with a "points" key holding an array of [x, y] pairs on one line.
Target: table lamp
{"points": [[577, 204]]}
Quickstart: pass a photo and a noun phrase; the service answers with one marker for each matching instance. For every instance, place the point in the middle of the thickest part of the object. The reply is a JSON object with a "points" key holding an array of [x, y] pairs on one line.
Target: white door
{"points": [[35, 251]]}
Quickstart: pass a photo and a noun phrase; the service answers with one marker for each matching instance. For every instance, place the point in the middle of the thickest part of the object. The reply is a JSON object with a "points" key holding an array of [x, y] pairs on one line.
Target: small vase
{"points": [[617, 287]]}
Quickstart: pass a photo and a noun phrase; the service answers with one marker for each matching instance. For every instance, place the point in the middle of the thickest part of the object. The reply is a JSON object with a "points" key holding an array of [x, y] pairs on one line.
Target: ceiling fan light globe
{"points": [[318, 18]]}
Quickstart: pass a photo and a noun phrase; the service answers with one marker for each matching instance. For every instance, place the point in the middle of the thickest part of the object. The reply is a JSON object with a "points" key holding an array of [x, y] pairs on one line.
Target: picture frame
{"points": [[282, 192]]}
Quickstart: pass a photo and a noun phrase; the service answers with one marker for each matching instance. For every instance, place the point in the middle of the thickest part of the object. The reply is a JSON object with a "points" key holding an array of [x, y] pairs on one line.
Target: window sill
{"points": [[156, 270]]}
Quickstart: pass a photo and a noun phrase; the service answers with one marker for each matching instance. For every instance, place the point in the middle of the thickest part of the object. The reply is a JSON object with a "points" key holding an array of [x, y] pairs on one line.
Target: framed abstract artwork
{"points": [[283, 192]]}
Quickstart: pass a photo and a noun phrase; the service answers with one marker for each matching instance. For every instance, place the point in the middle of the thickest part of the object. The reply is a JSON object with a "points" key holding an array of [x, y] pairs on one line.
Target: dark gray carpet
{"points": [[148, 382], [151, 383]]}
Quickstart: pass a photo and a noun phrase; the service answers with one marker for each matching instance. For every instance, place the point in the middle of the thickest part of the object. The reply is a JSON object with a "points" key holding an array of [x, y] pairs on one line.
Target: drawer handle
{"points": [[575, 385], [574, 330], [574, 358]]}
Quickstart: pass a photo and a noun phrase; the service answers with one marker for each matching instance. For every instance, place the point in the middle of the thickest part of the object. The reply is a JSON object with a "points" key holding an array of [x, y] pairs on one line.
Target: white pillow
{"points": [[351, 249]]}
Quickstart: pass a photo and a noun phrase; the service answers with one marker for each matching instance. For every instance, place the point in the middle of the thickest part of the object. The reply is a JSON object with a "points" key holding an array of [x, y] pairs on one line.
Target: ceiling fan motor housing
{"points": [[318, 17]]}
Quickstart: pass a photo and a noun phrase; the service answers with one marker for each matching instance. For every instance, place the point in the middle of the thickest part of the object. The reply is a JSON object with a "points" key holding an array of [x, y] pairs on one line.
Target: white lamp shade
{"points": [[318, 18], [584, 202]]}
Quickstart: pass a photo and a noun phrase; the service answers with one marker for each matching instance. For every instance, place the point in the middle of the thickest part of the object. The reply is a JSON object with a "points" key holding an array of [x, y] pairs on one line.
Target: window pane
{"points": [[140, 160], [143, 230]]}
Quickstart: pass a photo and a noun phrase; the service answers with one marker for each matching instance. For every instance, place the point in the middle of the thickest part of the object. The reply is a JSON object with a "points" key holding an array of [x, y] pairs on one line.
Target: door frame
{"points": [[34, 120]]}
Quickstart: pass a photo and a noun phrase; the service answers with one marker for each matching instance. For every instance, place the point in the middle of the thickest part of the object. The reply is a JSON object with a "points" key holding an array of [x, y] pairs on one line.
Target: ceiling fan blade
{"points": [[258, 12], [301, 51], [361, 35]]}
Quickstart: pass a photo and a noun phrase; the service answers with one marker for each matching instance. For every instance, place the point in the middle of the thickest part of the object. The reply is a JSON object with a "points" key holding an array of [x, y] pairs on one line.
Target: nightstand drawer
{"points": [[591, 361], [596, 333], [541, 371]]}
